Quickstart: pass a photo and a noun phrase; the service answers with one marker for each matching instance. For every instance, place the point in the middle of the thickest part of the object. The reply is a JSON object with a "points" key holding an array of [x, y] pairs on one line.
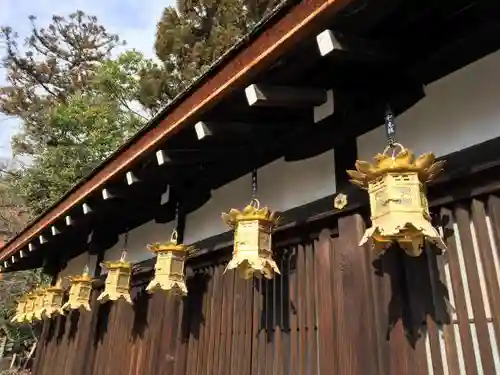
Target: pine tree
{"points": [[191, 36]]}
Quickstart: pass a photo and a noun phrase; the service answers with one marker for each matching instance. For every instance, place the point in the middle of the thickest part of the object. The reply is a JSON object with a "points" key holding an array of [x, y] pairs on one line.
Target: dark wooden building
{"points": [[299, 100]]}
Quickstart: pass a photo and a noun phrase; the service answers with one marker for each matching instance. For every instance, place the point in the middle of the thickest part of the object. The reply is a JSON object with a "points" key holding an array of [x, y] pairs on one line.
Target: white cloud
{"points": [[135, 21]]}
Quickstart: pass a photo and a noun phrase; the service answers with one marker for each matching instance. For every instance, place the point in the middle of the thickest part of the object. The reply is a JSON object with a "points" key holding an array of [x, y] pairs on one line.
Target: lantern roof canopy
{"points": [[274, 90]]}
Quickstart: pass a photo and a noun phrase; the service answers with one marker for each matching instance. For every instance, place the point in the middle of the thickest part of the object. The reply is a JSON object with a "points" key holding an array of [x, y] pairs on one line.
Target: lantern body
{"points": [[39, 304], [79, 293], [20, 314], [29, 308], [53, 302], [117, 283], [169, 268], [398, 201], [252, 251]]}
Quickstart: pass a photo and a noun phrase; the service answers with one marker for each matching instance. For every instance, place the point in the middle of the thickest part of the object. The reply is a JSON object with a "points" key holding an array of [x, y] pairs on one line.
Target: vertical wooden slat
{"points": [[269, 324], [286, 312], [230, 280], [419, 304], [182, 338], [437, 318], [237, 313], [358, 309], [301, 309], [207, 322], [215, 320], [294, 358], [325, 320], [311, 310], [194, 309], [458, 293], [247, 328], [488, 261], [448, 330], [278, 320], [223, 328], [256, 310], [471, 269]]}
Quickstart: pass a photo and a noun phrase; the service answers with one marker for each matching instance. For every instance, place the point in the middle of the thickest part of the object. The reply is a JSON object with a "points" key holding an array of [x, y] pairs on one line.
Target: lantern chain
{"points": [[125, 246], [390, 127], [254, 183]]}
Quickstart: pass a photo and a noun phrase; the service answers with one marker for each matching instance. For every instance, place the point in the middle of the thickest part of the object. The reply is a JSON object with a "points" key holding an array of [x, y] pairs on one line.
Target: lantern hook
{"points": [[173, 237], [255, 203], [393, 147]]}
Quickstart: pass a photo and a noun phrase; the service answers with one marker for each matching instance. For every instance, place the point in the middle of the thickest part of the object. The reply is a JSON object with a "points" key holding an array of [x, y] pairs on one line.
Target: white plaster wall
{"points": [[459, 110], [138, 239], [281, 186]]}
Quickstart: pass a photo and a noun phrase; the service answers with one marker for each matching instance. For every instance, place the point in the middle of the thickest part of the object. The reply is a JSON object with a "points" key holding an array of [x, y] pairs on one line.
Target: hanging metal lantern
{"points": [[39, 303], [253, 228], [169, 268], [398, 202], [53, 301], [117, 283], [20, 314], [79, 292], [29, 309]]}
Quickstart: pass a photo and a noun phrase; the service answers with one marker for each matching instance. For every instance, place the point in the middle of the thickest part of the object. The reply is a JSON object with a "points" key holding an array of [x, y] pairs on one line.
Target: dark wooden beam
{"points": [[359, 115], [284, 96]]}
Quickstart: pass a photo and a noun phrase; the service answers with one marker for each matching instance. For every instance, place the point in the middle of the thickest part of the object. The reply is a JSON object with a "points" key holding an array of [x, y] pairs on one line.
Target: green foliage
{"points": [[77, 104], [190, 38]]}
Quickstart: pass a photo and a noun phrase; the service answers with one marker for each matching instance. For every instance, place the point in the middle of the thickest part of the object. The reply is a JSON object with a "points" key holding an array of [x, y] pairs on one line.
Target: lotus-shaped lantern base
{"points": [[52, 312], [114, 296], [18, 318], [247, 268], [73, 305], [410, 237], [117, 283], [175, 287]]}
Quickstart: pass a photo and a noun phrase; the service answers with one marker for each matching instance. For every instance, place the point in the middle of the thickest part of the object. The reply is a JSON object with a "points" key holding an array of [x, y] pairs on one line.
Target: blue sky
{"points": [[134, 20]]}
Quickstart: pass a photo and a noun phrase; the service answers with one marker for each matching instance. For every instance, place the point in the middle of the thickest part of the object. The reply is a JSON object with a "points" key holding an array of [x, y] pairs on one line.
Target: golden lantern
{"points": [[29, 309], [396, 185], [79, 292], [117, 283], [253, 228], [20, 314], [39, 303], [169, 268], [53, 301]]}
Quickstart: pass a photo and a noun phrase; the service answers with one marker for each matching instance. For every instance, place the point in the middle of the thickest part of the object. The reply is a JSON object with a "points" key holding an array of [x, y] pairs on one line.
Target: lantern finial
{"points": [[253, 229], [169, 268], [399, 209]]}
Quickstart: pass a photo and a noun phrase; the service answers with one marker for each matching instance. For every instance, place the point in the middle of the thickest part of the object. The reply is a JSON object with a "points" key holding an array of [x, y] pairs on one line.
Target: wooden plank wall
{"points": [[335, 309]]}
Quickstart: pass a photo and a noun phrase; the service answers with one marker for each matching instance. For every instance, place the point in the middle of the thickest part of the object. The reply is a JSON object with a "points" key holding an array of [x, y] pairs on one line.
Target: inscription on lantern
{"points": [[399, 209], [252, 251]]}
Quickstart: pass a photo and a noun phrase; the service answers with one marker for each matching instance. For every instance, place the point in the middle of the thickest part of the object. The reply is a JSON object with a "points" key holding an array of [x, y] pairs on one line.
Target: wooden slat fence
{"points": [[336, 308]]}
